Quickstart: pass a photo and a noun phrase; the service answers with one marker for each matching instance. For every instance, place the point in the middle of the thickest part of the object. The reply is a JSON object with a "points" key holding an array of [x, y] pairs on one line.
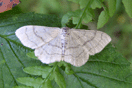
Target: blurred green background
{"points": [[119, 27]]}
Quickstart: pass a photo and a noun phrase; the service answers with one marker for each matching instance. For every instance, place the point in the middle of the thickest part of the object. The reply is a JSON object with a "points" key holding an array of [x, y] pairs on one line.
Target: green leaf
{"points": [[22, 87], [76, 1], [112, 7], [38, 70], [12, 53], [79, 15], [59, 79], [53, 64], [47, 84], [76, 15], [68, 16], [82, 3], [68, 69], [103, 18], [88, 15], [128, 6], [29, 81], [107, 69], [31, 55], [96, 4]]}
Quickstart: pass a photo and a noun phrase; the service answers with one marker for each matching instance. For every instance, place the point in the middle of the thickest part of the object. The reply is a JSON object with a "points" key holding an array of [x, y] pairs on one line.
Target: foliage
{"points": [[128, 6], [106, 69], [86, 13]]}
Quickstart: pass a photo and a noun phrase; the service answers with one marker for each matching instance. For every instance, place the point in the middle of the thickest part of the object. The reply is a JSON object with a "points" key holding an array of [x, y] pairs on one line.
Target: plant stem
{"points": [[84, 11], [48, 76]]}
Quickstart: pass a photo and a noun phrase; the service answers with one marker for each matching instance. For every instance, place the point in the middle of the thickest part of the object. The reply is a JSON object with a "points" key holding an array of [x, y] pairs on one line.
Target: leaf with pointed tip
{"points": [[29, 81], [128, 6], [103, 18], [31, 55], [38, 70]]}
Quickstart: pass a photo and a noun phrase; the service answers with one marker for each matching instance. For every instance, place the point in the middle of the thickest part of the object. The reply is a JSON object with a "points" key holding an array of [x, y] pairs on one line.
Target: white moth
{"points": [[53, 44]]}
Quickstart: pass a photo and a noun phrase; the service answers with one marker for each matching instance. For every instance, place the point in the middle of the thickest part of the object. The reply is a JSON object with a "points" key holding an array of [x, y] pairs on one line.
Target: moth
{"points": [[71, 45]]}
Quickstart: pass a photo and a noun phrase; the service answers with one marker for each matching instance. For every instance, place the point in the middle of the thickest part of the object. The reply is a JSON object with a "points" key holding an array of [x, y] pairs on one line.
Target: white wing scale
{"points": [[50, 52], [36, 36]]}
